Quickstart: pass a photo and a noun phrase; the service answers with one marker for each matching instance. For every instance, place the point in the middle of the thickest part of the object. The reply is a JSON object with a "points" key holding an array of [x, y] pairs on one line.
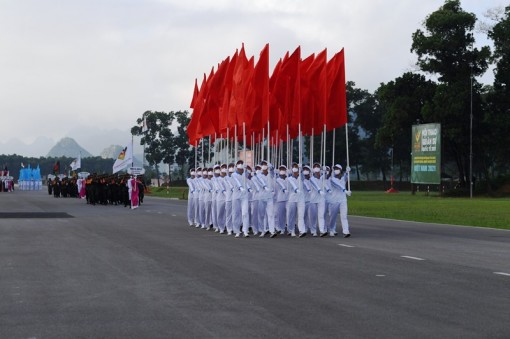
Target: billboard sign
{"points": [[426, 154]]}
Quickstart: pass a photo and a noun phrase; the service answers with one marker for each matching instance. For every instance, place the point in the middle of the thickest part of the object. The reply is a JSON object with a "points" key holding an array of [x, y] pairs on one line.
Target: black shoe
{"points": [[302, 235], [347, 235], [273, 235], [324, 234]]}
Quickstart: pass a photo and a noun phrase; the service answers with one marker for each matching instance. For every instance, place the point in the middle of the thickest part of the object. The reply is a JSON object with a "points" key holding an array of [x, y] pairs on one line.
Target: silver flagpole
{"points": [[268, 142], [333, 151], [347, 150]]}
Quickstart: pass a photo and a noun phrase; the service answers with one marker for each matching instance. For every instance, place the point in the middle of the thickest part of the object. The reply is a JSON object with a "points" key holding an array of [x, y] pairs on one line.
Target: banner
{"points": [[426, 154], [124, 159], [76, 163]]}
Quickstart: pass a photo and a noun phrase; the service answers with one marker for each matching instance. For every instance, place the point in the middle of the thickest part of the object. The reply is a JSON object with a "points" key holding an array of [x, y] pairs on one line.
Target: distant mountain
{"points": [[111, 152], [35, 149], [68, 147]]}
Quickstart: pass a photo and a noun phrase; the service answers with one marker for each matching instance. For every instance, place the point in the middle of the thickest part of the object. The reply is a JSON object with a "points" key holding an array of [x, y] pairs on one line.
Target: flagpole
{"points": [[244, 152], [333, 151], [235, 144], [132, 148], [228, 147], [215, 141], [288, 149], [209, 152], [268, 142], [203, 158], [347, 151], [311, 148]]}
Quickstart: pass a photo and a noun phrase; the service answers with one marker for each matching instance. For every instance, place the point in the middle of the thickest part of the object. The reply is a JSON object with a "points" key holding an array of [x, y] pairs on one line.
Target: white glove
{"points": [[347, 169], [348, 193], [321, 192], [241, 189]]}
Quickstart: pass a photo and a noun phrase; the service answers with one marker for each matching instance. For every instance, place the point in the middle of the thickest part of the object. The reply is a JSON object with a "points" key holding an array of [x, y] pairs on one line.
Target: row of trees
{"points": [[380, 122]]}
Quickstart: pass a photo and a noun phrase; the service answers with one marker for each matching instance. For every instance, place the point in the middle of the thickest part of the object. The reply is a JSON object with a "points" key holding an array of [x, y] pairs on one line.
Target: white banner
{"points": [[76, 163], [124, 159]]}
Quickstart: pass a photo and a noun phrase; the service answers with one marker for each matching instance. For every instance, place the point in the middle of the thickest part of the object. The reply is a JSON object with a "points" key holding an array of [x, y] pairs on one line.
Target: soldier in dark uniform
{"points": [[141, 189], [56, 188], [50, 187], [124, 192]]}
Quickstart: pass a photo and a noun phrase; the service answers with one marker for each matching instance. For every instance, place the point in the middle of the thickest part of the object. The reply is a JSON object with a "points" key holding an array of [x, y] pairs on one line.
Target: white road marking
{"points": [[380, 275], [502, 273], [344, 245], [413, 258], [173, 215]]}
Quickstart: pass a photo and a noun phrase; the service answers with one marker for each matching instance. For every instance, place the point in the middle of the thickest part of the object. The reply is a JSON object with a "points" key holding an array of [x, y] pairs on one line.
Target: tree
{"points": [[185, 153], [446, 50], [498, 112], [402, 102], [157, 139], [366, 117]]}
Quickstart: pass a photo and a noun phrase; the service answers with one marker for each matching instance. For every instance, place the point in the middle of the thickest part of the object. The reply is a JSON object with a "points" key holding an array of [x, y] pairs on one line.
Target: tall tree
{"points": [[402, 101], [446, 49], [157, 139], [365, 114], [498, 113], [184, 155]]}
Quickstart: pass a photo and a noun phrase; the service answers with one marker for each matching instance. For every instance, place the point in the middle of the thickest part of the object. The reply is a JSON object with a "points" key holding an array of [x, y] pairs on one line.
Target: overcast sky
{"points": [[88, 69]]}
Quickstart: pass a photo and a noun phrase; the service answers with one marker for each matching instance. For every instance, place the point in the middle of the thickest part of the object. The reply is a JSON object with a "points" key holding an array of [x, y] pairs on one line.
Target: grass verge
{"points": [[482, 212]]}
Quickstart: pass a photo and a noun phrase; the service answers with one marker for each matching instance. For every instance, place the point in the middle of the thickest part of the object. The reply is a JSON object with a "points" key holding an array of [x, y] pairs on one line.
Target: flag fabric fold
{"points": [[124, 158]]}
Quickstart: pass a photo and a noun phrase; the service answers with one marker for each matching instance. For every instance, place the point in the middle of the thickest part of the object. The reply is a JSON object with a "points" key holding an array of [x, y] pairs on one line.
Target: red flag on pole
{"points": [[258, 93], [318, 93], [336, 115]]}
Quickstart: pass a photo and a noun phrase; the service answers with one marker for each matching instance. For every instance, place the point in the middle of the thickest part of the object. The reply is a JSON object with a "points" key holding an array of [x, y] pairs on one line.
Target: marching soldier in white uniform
{"points": [[339, 201], [191, 198], [266, 202]]}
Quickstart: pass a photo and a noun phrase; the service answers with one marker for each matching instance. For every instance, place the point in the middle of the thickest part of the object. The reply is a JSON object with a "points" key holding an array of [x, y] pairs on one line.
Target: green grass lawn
{"points": [[172, 192], [484, 212]]}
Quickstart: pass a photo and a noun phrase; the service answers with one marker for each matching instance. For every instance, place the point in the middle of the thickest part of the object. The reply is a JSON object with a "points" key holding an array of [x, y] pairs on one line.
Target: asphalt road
{"points": [[79, 271]]}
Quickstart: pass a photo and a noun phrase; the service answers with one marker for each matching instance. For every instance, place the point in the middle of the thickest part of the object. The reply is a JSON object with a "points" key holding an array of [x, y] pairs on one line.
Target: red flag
{"points": [[287, 94], [318, 93], [227, 84], [215, 96], [258, 93], [336, 115], [240, 80], [305, 101], [274, 110], [195, 94], [193, 126], [207, 122]]}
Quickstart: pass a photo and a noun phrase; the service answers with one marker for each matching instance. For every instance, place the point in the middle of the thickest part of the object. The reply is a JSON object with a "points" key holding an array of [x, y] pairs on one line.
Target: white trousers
{"points": [[228, 216], [334, 208], [220, 215], [191, 210], [312, 219], [281, 215], [296, 210], [266, 214]]}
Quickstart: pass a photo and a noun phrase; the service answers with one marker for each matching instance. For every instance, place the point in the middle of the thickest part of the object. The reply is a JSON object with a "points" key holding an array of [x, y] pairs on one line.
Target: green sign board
{"points": [[426, 154]]}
